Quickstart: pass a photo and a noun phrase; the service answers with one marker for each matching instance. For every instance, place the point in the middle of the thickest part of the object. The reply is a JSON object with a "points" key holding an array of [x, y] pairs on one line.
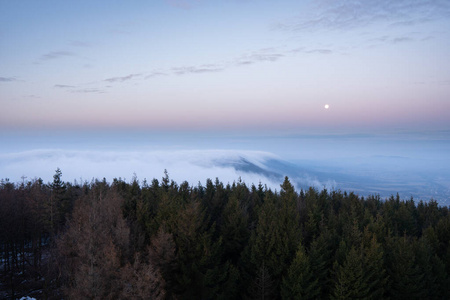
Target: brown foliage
{"points": [[94, 254], [142, 280]]}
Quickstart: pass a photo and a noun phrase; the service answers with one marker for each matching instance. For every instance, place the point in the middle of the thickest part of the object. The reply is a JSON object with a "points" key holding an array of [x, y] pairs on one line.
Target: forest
{"points": [[168, 240]]}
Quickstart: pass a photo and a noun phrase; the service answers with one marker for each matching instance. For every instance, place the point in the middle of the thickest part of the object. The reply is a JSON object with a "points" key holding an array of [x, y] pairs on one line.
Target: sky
{"points": [[224, 65], [228, 89]]}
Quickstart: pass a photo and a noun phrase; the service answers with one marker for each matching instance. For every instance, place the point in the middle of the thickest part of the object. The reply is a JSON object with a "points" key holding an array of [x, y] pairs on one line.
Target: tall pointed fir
{"points": [[299, 282], [406, 277], [277, 233], [350, 280], [58, 205], [234, 229]]}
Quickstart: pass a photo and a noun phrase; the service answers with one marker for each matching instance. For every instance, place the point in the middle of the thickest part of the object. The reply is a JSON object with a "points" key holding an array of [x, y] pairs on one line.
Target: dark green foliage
{"points": [[234, 228], [262, 286], [167, 241], [374, 265], [406, 276], [321, 260], [350, 280], [300, 282], [58, 205]]}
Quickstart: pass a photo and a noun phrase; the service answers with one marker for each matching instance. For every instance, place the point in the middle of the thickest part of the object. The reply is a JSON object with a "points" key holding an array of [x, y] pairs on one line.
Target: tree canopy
{"points": [[162, 240]]}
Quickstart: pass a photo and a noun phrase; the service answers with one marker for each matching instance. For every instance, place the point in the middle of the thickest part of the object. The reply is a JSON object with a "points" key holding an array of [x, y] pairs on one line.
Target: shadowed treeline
{"points": [[161, 240]]}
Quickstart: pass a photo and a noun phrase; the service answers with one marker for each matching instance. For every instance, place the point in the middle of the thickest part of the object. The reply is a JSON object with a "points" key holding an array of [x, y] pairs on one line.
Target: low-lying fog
{"points": [[412, 164]]}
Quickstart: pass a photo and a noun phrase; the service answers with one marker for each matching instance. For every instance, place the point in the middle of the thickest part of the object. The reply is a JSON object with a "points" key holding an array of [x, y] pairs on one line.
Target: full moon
{"points": [[327, 106]]}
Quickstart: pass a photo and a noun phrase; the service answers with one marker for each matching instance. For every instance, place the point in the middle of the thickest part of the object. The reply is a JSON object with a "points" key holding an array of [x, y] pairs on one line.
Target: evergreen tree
{"points": [[288, 217], [58, 205], [199, 272], [406, 277], [435, 277], [132, 240], [234, 229], [373, 263], [321, 260], [262, 286], [350, 280], [269, 248], [299, 282]]}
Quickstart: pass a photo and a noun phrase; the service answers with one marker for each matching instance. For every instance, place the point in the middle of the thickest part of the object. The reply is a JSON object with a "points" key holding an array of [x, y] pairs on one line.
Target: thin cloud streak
{"points": [[8, 79], [123, 78], [155, 74], [63, 86], [344, 15], [88, 91], [56, 55], [259, 56], [197, 70], [312, 51], [402, 40]]}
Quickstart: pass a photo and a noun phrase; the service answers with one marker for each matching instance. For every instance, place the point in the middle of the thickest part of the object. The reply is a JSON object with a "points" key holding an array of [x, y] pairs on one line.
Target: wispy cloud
{"points": [[402, 39], [386, 39], [312, 51], [320, 51], [88, 91], [262, 55], [342, 14], [208, 68], [63, 86], [266, 57], [410, 22], [155, 74], [8, 79], [56, 54], [122, 78]]}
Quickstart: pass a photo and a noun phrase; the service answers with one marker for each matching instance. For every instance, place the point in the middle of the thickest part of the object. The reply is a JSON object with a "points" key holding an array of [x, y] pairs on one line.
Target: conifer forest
{"points": [[167, 240]]}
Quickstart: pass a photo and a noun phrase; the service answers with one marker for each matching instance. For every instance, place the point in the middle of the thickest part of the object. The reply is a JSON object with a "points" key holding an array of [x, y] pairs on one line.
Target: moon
{"points": [[327, 106]]}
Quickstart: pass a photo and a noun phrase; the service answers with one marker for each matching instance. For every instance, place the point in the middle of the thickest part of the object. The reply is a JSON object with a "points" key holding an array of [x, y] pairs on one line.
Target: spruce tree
{"points": [[373, 262], [320, 257], [299, 282], [350, 280], [234, 229], [406, 277]]}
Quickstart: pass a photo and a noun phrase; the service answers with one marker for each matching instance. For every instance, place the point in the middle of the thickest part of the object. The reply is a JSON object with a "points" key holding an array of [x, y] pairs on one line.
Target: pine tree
{"points": [[320, 257], [350, 280], [277, 234], [234, 229], [299, 282], [406, 277], [58, 205], [199, 271], [289, 217], [374, 266], [262, 286], [433, 268]]}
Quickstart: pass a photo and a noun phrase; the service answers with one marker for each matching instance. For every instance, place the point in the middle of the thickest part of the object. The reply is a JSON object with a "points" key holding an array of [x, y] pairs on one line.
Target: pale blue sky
{"points": [[228, 65]]}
